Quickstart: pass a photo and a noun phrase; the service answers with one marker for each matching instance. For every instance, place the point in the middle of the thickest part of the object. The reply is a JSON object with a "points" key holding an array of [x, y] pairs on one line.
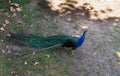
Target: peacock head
{"points": [[80, 40], [85, 32]]}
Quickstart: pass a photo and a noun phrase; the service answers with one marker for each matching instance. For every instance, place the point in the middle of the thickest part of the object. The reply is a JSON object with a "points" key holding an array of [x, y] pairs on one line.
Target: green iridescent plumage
{"points": [[39, 41], [48, 42]]}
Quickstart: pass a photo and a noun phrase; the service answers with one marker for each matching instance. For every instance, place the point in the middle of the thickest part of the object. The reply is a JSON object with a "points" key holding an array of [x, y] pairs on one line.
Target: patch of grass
{"points": [[1, 36], [37, 30], [43, 67], [5, 5], [75, 26], [117, 40], [108, 33], [22, 28], [117, 44], [100, 74], [54, 25], [61, 33], [39, 14], [30, 14], [74, 17], [101, 46], [43, 4], [27, 14], [5, 65], [30, 66], [111, 62], [18, 28], [2, 16], [86, 71], [46, 65], [81, 57], [21, 2], [117, 28]]}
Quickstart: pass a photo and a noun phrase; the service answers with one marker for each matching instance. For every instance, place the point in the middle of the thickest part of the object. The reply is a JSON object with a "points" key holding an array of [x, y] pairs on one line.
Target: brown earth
{"points": [[97, 56]]}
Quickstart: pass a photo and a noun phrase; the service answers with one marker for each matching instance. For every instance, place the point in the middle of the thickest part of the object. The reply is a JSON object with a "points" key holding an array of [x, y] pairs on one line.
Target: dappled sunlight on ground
{"points": [[98, 56], [94, 9]]}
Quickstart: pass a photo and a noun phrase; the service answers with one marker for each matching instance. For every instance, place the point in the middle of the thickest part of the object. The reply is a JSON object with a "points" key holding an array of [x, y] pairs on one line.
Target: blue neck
{"points": [[81, 40], [84, 33]]}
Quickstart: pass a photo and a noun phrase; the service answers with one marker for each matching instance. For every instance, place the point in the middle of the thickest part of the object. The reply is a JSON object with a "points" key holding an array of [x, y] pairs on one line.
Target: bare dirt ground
{"points": [[98, 51], [98, 9], [97, 55]]}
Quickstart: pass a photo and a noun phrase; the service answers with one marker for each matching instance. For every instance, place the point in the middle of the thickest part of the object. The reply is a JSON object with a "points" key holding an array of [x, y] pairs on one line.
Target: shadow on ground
{"points": [[96, 57]]}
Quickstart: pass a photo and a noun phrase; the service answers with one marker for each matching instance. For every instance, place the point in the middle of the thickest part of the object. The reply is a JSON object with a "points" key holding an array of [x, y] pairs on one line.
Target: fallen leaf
{"points": [[36, 63], [12, 72], [9, 1], [7, 14], [47, 55], [118, 63], [117, 20], [46, 67], [14, 14], [19, 9], [82, 14], [68, 12], [69, 19], [8, 35], [61, 15], [34, 53], [118, 54], [7, 21], [14, 4], [24, 16], [29, 72], [16, 75], [77, 13], [2, 29], [12, 9], [7, 47], [1, 10], [4, 24], [3, 51], [25, 63], [2, 40], [9, 59], [19, 22], [115, 23], [9, 51], [84, 26]]}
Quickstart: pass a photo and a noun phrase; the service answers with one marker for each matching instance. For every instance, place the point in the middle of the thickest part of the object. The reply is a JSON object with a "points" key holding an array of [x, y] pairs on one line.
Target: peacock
{"points": [[49, 41]]}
